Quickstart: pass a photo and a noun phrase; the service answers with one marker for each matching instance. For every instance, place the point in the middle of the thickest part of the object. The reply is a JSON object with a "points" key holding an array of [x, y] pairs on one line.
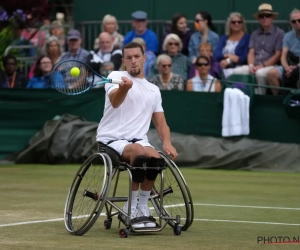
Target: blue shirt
{"points": [[150, 60], [80, 55], [39, 82], [149, 37], [212, 38], [292, 42]]}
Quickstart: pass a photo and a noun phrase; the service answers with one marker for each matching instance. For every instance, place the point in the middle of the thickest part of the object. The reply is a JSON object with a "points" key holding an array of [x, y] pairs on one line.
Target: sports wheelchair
{"points": [[91, 191]]}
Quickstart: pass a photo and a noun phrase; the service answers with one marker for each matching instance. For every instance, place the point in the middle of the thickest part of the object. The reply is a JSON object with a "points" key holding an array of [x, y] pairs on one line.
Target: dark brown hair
{"points": [[37, 71], [132, 45]]}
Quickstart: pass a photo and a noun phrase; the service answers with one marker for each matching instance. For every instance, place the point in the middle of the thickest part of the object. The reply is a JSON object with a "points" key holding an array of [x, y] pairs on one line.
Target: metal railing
{"points": [[91, 29]]}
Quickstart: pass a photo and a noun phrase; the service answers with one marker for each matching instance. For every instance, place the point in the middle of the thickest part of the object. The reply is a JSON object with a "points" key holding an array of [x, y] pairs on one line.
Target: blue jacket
{"points": [[241, 49], [39, 82], [149, 37]]}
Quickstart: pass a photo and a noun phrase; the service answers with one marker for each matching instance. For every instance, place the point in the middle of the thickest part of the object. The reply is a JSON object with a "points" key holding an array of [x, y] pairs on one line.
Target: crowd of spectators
{"points": [[183, 59]]}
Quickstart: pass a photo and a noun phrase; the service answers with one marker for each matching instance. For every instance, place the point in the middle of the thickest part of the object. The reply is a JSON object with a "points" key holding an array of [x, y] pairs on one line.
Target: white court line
{"points": [[241, 206], [250, 222], [38, 221], [196, 204]]}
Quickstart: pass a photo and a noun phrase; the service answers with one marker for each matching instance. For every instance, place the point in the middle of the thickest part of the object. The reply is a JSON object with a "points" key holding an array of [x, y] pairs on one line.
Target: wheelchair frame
{"points": [[100, 199]]}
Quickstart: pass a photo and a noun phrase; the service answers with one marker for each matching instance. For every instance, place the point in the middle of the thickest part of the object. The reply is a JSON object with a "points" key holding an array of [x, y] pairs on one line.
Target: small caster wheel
{"points": [[107, 223], [123, 233], [177, 230]]}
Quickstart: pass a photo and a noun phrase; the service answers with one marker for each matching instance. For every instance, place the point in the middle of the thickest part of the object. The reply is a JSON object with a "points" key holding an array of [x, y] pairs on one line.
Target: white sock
{"points": [[134, 195], [144, 196]]}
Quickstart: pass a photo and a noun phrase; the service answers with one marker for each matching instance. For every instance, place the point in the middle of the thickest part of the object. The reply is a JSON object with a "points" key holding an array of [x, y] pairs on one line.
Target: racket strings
{"points": [[70, 84]]}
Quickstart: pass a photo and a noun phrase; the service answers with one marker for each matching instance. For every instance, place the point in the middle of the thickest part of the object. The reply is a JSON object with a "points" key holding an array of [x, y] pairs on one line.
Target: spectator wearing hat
{"points": [[74, 44], [139, 23], [265, 47], [288, 72]]}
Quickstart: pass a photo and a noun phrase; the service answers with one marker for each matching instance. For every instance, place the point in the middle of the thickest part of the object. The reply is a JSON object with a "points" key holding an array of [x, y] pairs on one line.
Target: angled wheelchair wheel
{"points": [[88, 193], [177, 199], [190, 200]]}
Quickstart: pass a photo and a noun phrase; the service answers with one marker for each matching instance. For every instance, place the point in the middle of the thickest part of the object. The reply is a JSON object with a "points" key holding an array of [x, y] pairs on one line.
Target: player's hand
{"points": [[126, 83], [224, 63], [170, 150]]}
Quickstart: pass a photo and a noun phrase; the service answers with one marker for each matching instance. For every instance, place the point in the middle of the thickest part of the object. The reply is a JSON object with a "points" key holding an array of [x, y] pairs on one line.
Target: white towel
{"points": [[226, 113], [235, 120]]}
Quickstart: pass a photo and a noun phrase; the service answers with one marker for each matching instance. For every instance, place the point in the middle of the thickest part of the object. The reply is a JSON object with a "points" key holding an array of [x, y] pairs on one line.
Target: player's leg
{"points": [[147, 184], [129, 152]]}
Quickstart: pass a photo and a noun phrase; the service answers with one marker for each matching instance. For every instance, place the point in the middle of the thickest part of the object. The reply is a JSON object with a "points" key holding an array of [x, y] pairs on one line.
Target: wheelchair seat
{"points": [[113, 154]]}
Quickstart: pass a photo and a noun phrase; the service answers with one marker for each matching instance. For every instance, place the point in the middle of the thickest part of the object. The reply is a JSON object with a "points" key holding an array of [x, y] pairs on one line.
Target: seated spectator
{"points": [[180, 63], [106, 53], [204, 82], [51, 49], [205, 32], [205, 49], [32, 32], [288, 71], [179, 27], [74, 44], [150, 56], [110, 25], [56, 29], [166, 79], [10, 77], [41, 77], [139, 24], [233, 47], [106, 68], [263, 56]]}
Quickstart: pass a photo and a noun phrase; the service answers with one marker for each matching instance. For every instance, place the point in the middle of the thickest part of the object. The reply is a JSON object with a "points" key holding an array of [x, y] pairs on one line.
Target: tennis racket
{"points": [[72, 77]]}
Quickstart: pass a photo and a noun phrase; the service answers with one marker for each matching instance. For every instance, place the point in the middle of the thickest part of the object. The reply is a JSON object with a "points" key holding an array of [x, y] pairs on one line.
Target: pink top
{"points": [[35, 39]]}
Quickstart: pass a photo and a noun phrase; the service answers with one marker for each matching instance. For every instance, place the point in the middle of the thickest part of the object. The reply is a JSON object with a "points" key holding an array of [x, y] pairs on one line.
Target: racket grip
{"points": [[116, 81]]}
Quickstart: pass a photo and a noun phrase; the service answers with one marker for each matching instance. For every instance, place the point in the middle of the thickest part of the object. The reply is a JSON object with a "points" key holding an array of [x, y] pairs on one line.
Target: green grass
{"points": [[38, 192]]}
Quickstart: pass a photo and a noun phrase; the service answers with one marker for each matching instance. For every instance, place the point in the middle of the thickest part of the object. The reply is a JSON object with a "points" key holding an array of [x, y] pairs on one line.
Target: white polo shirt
{"points": [[133, 117]]}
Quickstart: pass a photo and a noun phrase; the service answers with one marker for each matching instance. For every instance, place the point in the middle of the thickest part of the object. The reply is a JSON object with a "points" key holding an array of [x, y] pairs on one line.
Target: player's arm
{"points": [[161, 126], [163, 130], [118, 95]]}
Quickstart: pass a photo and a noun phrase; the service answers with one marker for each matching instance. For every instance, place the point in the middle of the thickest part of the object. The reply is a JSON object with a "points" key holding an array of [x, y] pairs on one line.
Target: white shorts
{"points": [[121, 144]]}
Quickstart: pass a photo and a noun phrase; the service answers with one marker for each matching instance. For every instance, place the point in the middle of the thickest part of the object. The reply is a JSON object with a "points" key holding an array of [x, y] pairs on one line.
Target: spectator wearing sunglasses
{"points": [[166, 79], [180, 28], [203, 82], [205, 49], [205, 32], [180, 63], [233, 47], [265, 48], [290, 58]]}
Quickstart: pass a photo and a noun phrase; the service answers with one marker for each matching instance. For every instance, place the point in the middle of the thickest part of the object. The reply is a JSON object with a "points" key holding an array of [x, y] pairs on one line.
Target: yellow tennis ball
{"points": [[75, 71]]}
